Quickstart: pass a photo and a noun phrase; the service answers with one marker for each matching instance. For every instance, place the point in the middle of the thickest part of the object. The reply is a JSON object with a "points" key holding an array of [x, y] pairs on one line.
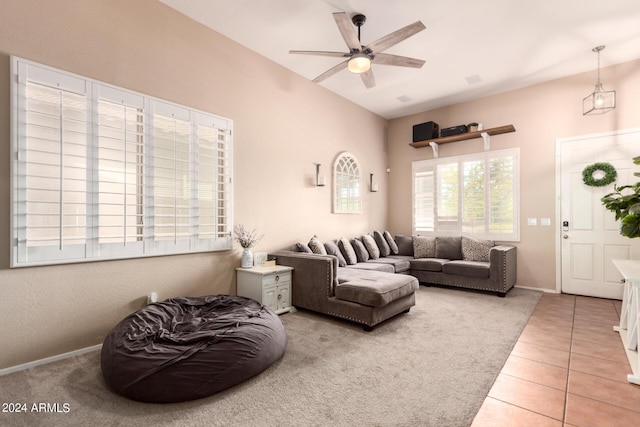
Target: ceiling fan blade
{"points": [[348, 32], [368, 79], [396, 37], [400, 61], [331, 71], [320, 53]]}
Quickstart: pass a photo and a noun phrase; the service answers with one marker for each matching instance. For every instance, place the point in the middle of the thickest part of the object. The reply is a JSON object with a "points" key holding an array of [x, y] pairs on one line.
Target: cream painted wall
{"points": [[283, 125], [540, 114]]}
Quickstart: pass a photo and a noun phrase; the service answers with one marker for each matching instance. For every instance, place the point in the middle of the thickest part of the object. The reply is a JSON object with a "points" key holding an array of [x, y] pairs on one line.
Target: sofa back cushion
{"points": [[475, 249], [392, 244], [405, 245], [332, 249], [424, 247], [347, 251], [361, 252], [316, 246], [371, 245], [385, 250], [449, 247], [303, 247]]}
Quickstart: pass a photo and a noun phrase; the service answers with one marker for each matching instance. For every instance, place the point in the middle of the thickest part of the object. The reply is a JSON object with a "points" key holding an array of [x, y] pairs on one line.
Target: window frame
{"points": [[217, 195], [426, 200]]}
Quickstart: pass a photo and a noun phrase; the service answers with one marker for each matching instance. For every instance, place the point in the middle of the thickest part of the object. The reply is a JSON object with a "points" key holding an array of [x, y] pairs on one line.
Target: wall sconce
{"points": [[373, 187], [319, 178]]}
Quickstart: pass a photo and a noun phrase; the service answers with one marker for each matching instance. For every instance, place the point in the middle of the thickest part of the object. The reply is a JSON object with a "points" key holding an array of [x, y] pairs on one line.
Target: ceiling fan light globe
{"points": [[359, 63]]}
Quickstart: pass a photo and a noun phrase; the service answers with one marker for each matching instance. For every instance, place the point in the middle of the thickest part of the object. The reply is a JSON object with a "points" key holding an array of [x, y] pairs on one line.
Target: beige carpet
{"points": [[430, 367]]}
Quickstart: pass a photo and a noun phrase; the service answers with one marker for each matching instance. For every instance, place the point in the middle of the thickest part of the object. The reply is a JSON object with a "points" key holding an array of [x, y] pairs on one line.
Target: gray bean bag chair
{"points": [[187, 348]]}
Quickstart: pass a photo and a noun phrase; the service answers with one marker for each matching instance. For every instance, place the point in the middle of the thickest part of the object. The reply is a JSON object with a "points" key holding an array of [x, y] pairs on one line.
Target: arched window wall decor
{"points": [[347, 184]]}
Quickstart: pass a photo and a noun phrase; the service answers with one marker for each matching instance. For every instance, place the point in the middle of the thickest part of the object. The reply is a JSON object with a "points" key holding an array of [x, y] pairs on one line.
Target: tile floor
{"points": [[568, 368]]}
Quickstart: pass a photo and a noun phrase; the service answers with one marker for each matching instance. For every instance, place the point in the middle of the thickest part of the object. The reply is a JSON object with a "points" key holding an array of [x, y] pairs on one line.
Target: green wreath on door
{"points": [[609, 176]]}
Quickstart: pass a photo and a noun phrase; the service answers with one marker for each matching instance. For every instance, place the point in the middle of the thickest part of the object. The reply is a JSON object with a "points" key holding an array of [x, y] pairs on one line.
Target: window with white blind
{"points": [[100, 172], [475, 195]]}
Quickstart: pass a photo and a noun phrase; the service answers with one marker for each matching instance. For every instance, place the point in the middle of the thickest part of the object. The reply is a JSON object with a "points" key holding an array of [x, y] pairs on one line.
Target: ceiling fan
{"points": [[359, 58]]}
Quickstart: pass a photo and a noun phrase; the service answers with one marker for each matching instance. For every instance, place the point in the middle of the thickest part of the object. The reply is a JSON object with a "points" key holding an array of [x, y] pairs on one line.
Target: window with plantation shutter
{"points": [[100, 172], [474, 195]]}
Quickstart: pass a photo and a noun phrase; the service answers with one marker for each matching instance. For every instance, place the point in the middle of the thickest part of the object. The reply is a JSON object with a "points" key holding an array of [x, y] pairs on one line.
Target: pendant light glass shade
{"points": [[600, 101], [359, 63]]}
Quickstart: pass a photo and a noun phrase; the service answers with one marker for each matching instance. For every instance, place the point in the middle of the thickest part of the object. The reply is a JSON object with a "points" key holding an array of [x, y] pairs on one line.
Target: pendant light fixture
{"points": [[600, 101]]}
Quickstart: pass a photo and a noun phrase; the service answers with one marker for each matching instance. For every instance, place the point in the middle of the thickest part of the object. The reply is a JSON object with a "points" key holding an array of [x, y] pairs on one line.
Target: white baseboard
{"points": [[46, 360], [550, 291]]}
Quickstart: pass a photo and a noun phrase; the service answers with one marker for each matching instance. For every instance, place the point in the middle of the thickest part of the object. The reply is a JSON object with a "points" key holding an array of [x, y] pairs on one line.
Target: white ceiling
{"points": [[506, 44]]}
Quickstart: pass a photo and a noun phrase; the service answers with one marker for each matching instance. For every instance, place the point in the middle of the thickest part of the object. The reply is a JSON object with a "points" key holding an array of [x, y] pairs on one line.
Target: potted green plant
{"points": [[625, 203]]}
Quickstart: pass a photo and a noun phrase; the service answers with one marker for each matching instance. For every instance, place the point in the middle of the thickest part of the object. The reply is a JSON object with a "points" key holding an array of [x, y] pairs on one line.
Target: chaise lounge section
{"points": [[363, 296]]}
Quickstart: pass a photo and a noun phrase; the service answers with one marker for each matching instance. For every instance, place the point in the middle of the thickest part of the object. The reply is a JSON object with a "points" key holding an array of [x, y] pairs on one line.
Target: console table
{"points": [[628, 328]]}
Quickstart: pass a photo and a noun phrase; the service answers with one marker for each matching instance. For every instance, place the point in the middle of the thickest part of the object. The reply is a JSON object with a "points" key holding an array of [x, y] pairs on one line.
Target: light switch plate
{"points": [[532, 221], [545, 222]]}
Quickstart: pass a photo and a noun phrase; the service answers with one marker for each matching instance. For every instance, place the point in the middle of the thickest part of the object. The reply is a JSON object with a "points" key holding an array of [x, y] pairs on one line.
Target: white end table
{"points": [[270, 286]]}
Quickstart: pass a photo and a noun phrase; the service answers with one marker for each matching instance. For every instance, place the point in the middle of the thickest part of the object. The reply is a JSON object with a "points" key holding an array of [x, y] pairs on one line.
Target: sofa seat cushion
{"points": [[372, 266], [479, 269], [428, 264], [400, 263], [374, 288]]}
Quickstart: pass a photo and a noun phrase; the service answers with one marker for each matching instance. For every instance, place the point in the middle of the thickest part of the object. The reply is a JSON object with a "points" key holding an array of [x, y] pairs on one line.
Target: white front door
{"points": [[589, 236]]}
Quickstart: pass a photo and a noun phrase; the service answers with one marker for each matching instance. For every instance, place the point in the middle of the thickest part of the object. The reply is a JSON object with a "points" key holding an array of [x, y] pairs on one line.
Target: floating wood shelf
{"points": [[464, 136]]}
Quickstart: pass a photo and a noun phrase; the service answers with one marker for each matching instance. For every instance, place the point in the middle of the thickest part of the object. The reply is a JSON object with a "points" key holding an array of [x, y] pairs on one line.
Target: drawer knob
{"points": [[277, 278], [279, 296]]}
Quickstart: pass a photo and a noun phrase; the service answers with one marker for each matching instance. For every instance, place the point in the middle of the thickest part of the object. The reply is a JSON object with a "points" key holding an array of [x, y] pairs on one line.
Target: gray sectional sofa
{"points": [[373, 278]]}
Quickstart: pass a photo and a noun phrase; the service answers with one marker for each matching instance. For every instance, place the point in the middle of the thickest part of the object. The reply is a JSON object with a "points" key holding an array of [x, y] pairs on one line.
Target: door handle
{"points": [[565, 236]]}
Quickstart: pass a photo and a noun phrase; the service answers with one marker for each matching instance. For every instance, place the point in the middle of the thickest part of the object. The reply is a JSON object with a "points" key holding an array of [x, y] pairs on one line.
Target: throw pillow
{"points": [[475, 249], [332, 249], [405, 245], [303, 247], [391, 242], [448, 248], [385, 250], [372, 247], [347, 251], [361, 251], [424, 247], [316, 246]]}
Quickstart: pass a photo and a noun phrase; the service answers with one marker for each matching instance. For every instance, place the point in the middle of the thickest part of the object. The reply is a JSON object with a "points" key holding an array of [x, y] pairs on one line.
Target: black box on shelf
{"points": [[424, 131], [454, 130]]}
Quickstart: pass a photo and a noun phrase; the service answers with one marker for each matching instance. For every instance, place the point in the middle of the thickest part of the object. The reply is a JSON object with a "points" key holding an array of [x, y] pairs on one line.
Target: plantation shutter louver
{"points": [[214, 182], [502, 193], [423, 200], [474, 215], [447, 201]]}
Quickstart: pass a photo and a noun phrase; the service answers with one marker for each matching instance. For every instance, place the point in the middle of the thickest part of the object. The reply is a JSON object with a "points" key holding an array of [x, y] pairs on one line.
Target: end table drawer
{"points": [[275, 279]]}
